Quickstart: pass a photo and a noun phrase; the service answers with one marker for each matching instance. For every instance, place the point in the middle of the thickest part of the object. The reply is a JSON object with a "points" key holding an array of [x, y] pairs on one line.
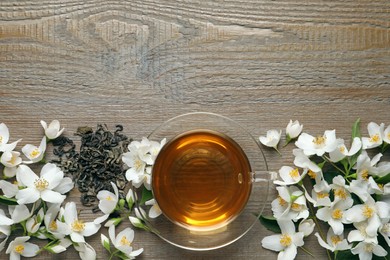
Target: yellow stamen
{"points": [[285, 240], [340, 192], [109, 198], [138, 164], [381, 187], [12, 160], [369, 248], [364, 174], [388, 136], [342, 149], [53, 225], [34, 153], [312, 174], [321, 195], [386, 228], [125, 242], [78, 226], [19, 249], [1, 139], [296, 207], [319, 140], [368, 211], [294, 173], [335, 240], [15, 182], [375, 138], [337, 214], [282, 202], [41, 184]]}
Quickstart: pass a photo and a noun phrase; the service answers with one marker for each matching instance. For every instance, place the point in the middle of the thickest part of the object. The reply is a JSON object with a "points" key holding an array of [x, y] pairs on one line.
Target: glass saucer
{"points": [[217, 236]]}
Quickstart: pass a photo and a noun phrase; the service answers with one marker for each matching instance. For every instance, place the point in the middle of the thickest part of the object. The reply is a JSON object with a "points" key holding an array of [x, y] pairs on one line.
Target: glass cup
{"points": [[230, 180]]}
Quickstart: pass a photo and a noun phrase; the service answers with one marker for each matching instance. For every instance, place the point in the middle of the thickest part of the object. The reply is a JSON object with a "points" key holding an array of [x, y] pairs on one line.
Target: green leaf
{"points": [[356, 129], [8, 201], [270, 223], [384, 180], [345, 254], [355, 133], [106, 245], [146, 195]]}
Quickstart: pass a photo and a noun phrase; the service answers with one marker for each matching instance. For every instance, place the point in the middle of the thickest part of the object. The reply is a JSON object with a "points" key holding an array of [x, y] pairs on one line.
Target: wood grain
{"points": [[139, 63]]}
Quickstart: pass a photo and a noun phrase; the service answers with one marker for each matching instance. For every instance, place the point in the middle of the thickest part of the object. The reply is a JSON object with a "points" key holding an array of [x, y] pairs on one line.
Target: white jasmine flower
{"points": [[33, 223], [372, 211], [365, 250], [75, 227], [65, 186], [10, 159], [271, 139], [386, 134], [317, 145], [289, 176], [50, 220], [293, 129], [39, 187], [123, 241], [155, 210], [53, 130], [360, 188], [333, 242], [366, 166], [301, 160], [86, 251], [335, 214], [136, 159], [376, 133], [19, 213], [382, 169], [385, 232], [33, 153], [340, 189], [306, 226], [4, 138], [5, 221], [359, 234], [20, 247], [2, 244], [320, 196], [9, 189], [375, 188], [290, 204], [155, 148], [107, 202], [287, 242], [341, 151]]}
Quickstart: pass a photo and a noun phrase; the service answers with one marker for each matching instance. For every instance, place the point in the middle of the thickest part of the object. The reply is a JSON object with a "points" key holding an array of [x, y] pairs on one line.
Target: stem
{"points": [[307, 251], [334, 165], [319, 228], [276, 149]]}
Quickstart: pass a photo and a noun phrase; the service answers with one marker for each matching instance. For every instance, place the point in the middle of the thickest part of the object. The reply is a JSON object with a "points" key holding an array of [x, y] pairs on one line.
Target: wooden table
{"points": [[139, 63]]}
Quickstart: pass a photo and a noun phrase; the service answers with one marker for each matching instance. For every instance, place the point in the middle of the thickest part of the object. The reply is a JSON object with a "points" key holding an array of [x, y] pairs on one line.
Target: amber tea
{"points": [[201, 180]]}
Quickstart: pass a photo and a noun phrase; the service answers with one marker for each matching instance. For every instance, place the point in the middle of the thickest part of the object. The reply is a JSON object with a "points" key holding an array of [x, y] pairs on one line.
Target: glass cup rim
{"points": [[261, 153]]}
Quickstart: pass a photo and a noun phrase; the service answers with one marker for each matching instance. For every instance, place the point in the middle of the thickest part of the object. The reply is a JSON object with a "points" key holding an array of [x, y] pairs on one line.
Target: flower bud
{"points": [[293, 129], [306, 227]]}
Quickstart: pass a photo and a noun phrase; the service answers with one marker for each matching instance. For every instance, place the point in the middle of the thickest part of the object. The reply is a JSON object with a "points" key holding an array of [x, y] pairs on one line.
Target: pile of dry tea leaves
{"points": [[97, 163]]}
